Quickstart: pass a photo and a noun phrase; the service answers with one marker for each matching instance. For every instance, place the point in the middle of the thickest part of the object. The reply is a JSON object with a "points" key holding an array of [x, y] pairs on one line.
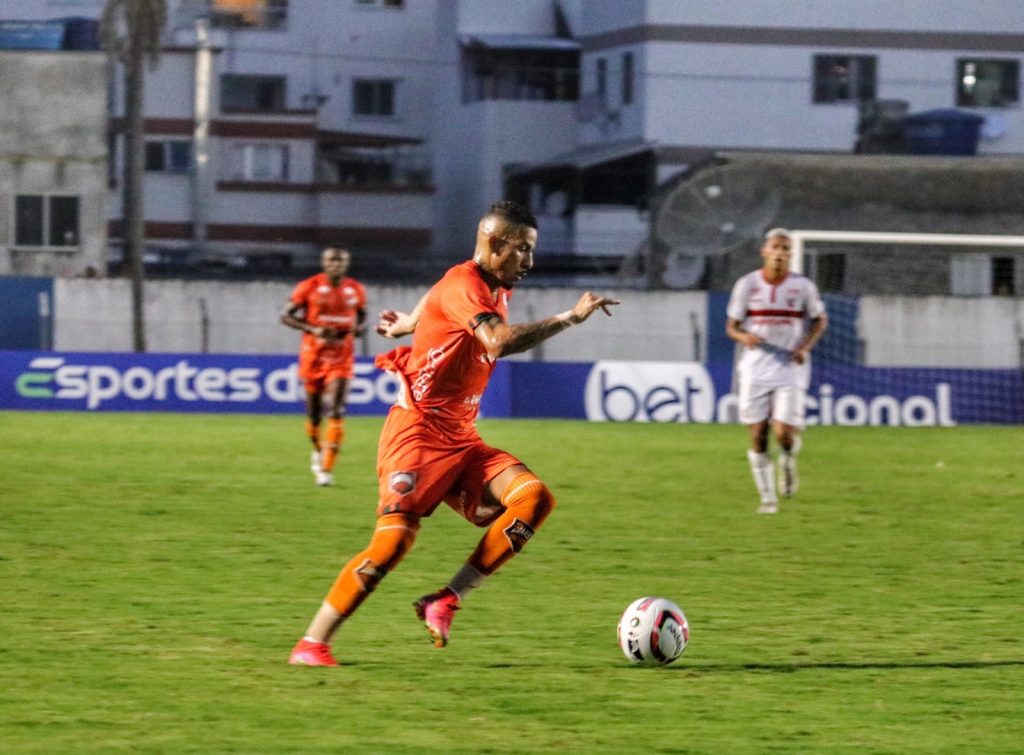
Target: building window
{"points": [[394, 4], [373, 97], [258, 162], [1003, 278], [359, 172], [173, 156], [627, 78], [45, 221], [987, 83], [844, 78], [601, 71], [260, 93], [496, 74], [373, 166]]}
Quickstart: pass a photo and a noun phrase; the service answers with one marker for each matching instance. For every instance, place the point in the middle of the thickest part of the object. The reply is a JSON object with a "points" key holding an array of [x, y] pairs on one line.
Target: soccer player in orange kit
{"points": [[330, 310], [430, 450]]}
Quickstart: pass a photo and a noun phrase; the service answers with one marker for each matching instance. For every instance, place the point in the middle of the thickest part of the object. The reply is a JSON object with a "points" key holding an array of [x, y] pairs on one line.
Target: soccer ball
{"points": [[653, 631]]}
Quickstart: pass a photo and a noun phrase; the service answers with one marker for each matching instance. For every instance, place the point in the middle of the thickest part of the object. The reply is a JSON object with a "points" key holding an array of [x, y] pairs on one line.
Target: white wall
{"points": [[361, 210], [484, 137], [937, 331], [93, 315], [763, 95], [916, 15], [503, 17], [758, 96]]}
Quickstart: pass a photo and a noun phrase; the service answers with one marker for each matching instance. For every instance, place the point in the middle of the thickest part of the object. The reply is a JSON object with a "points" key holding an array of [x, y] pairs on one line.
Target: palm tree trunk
{"points": [[134, 234]]}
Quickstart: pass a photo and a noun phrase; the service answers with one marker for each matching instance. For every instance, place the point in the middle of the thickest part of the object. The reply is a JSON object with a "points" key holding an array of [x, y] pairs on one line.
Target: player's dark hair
{"points": [[513, 212]]}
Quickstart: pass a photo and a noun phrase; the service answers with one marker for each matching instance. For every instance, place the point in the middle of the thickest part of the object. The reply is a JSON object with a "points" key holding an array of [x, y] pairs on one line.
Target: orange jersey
{"points": [[445, 371], [329, 307]]}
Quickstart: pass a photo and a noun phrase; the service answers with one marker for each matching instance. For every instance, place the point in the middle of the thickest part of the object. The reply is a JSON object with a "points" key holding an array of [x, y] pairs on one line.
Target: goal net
{"points": [[907, 357]]}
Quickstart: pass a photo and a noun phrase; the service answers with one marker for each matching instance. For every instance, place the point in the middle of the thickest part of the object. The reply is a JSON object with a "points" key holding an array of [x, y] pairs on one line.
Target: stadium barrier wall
{"points": [[235, 317], [618, 391]]}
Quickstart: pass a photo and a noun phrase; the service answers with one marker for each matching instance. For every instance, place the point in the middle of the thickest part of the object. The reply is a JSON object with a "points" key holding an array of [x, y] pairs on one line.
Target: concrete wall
{"points": [[53, 142], [93, 315], [935, 331], [242, 318], [493, 133]]}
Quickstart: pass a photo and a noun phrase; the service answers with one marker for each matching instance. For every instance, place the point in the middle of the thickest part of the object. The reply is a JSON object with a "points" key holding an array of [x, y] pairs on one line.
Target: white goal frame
{"points": [[800, 237]]}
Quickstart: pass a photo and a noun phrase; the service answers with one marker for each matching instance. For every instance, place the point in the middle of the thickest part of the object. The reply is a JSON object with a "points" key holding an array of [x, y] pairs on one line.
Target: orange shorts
{"points": [[419, 465], [318, 367]]}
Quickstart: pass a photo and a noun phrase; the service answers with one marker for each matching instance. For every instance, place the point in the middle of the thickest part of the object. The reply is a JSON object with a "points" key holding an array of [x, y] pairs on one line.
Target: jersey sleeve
{"points": [[815, 304], [300, 294], [737, 307], [464, 301]]}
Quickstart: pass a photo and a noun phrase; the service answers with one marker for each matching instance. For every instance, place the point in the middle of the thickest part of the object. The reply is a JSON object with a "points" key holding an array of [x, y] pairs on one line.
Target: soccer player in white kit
{"points": [[767, 315]]}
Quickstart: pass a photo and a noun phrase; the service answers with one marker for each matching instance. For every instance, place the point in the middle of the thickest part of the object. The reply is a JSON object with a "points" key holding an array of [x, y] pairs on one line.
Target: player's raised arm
{"points": [[394, 324], [501, 339]]}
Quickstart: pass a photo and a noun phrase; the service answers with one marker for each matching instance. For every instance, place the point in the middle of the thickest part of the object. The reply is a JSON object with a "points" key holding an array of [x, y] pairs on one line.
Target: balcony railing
{"points": [[389, 167], [514, 82], [256, 15]]}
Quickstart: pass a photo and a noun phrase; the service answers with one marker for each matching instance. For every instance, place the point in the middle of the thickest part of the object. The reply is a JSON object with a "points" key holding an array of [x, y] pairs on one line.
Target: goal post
{"points": [[801, 237], [963, 347]]}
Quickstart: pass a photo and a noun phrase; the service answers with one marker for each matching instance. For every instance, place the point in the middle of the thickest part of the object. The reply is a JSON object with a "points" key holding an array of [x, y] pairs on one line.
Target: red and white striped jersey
{"points": [[779, 314]]}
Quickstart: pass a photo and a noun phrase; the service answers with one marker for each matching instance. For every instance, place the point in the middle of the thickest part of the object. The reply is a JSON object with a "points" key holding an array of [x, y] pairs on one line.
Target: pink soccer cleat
{"points": [[307, 653], [436, 611]]}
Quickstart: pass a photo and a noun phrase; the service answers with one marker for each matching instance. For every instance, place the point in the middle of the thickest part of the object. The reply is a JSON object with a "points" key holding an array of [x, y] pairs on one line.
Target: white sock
{"points": [[466, 579], [764, 475]]}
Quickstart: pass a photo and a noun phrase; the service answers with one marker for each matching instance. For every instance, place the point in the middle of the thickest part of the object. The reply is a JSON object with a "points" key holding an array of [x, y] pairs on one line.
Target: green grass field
{"points": [[157, 569]]}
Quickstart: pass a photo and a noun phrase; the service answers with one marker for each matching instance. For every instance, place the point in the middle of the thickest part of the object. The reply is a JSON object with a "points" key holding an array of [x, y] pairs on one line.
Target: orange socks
{"points": [[528, 502], [335, 434], [391, 540]]}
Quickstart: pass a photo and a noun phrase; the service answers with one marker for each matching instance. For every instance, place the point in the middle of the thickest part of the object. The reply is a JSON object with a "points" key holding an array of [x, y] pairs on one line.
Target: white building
{"points": [[667, 83], [389, 125]]}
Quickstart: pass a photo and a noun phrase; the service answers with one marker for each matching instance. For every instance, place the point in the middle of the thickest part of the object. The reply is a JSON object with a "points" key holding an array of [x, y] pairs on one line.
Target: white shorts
{"points": [[783, 403]]}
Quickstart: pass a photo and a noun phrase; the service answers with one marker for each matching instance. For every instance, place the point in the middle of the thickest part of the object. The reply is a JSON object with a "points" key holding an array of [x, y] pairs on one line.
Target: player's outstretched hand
{"points": [[590, 303], [394, 324]]}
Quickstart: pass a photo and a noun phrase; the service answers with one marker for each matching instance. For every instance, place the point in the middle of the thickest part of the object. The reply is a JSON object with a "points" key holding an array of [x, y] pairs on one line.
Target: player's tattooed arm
{"points": [[501, 339]]}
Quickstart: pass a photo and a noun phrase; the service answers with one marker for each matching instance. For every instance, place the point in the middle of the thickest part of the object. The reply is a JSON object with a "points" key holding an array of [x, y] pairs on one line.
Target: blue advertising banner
{"points": [[838, 395], [172, 383], [26, 318], [601, 391]]}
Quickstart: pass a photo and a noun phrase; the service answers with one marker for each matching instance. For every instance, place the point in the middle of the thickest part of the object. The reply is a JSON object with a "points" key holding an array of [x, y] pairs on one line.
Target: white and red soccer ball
{"points": [[653, 631]]}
